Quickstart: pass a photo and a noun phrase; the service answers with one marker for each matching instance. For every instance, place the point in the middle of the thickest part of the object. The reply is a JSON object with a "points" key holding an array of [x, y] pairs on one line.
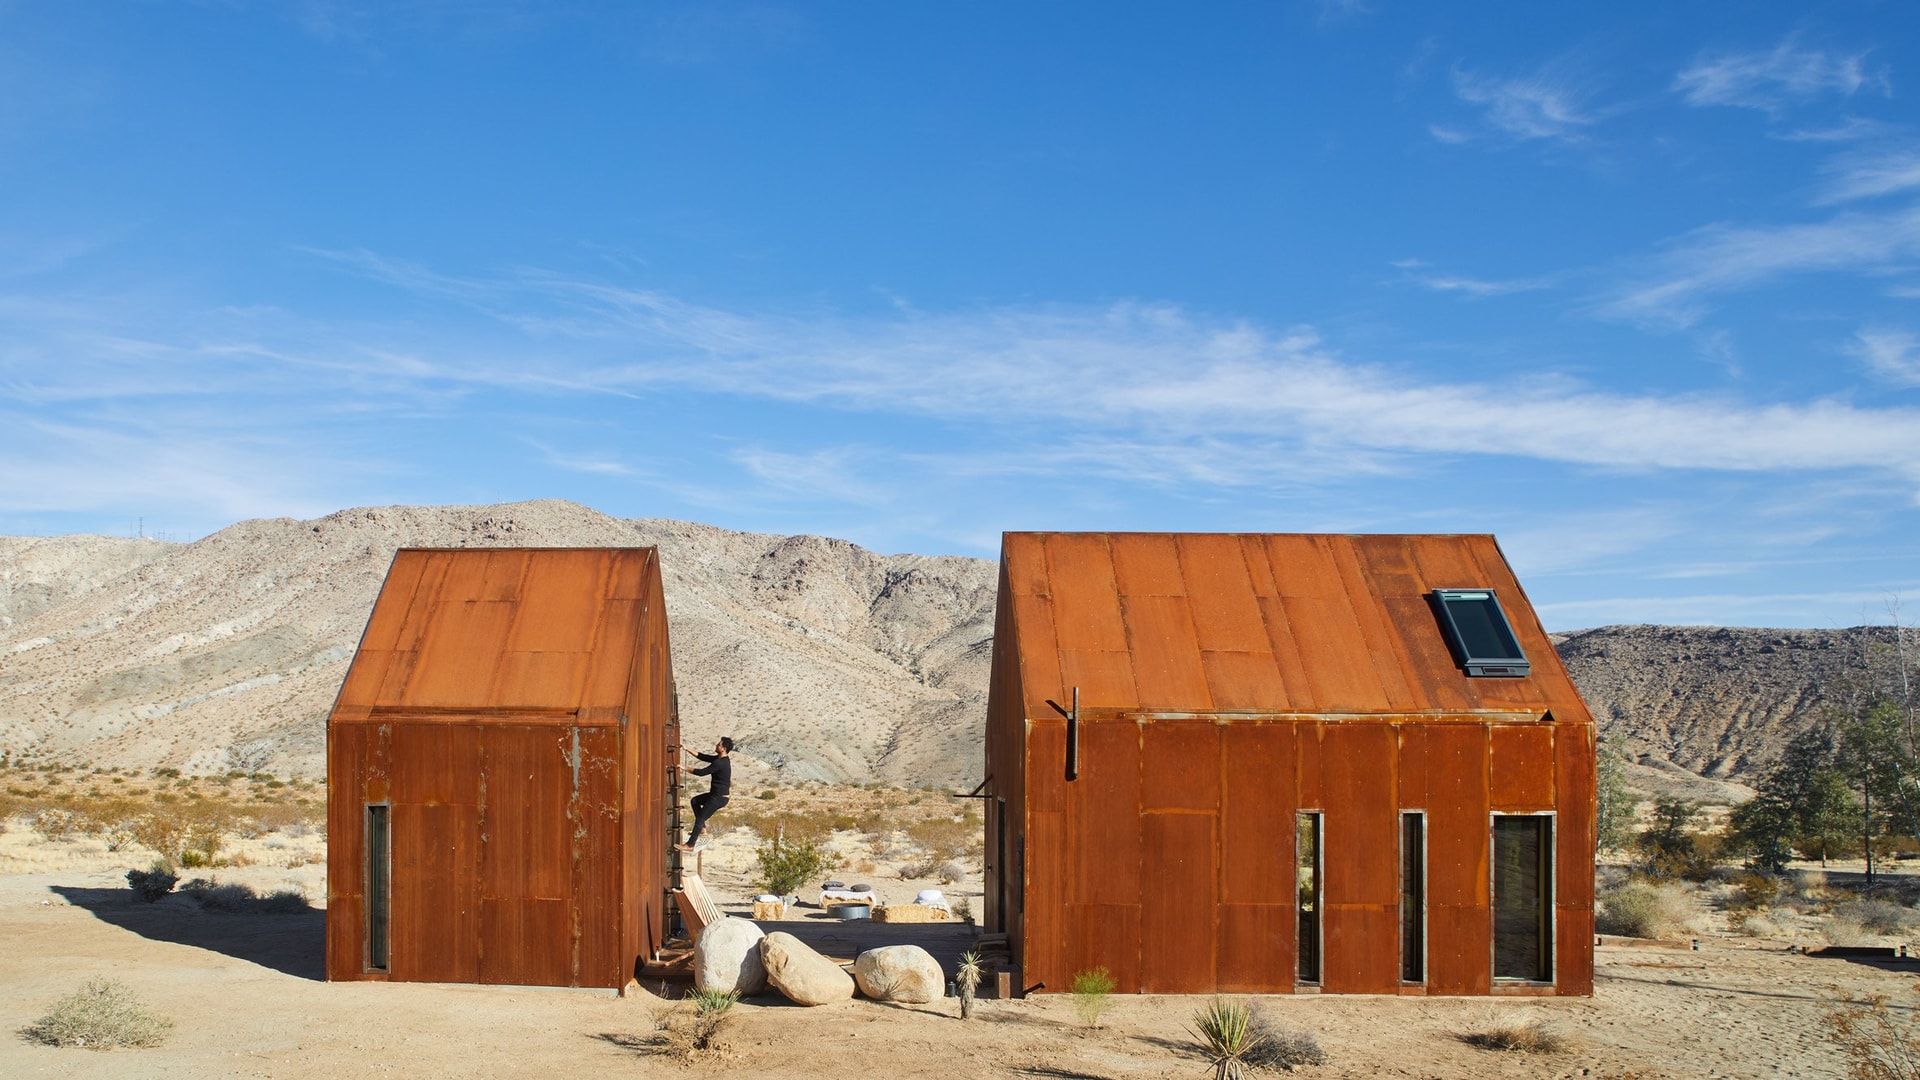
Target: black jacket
{"points": [[721, 769]]}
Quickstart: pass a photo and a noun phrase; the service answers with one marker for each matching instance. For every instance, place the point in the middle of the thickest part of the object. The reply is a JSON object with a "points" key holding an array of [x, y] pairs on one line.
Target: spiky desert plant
{"points": [[967, 979], [1226, 1035], [1090, 990]]}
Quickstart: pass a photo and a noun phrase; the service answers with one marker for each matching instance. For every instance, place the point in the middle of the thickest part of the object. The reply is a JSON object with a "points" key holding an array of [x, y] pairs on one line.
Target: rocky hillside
{"points": [[1719, 702], [826, 660]]}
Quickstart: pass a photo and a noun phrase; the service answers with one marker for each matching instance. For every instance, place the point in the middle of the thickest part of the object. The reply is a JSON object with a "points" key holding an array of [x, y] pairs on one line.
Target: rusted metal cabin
{"points": [[1298, 763], [496, 771]]}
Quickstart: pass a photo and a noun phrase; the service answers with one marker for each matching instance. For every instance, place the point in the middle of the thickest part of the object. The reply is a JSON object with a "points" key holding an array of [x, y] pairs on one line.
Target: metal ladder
{"points": [[675, 868]]}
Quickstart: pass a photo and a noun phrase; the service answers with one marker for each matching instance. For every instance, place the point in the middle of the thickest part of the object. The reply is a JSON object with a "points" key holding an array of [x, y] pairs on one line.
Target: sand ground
{"points": [[245, 993]]}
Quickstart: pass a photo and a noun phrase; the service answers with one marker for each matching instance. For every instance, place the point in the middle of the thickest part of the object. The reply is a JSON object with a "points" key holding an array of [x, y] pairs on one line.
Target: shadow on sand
{"points": [[293, 944]]}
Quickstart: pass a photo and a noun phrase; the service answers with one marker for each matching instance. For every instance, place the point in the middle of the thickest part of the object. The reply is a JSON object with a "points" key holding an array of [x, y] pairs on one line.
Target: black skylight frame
{"points": [[1479, 634]]}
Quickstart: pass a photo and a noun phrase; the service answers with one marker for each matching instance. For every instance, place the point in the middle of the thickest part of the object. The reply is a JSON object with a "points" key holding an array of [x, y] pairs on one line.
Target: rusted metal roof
{"points": [[540, 630], [1264, 623]]}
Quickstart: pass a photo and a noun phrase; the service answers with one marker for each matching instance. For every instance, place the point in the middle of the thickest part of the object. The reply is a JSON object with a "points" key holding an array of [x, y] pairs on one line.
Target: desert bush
{"points": [[284, 902], [787, 826], [1643, 909], [56, 823], [944, 839], [1877, 1046], [1874, 915], [1092, 992], [950, 872], [787, 864], [1758, 924], [769, 793], [228, 899], [1281, 1047], [164, 834], [692, 1030], [963, 910], [102, 1015], [1839, 930], [1525, 1033], [152, 883], [1753, 890]]}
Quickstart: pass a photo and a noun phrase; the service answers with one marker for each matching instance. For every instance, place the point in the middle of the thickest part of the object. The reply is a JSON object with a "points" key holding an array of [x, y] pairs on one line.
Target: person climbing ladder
{"points": [[720, 767]]}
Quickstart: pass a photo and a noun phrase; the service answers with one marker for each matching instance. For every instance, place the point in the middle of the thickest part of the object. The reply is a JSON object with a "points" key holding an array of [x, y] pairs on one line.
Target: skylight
{"points": [[1478, 632]]}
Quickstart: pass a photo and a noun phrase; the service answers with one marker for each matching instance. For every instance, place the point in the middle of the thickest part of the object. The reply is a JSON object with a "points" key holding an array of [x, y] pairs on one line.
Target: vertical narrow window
{"points": [[379, 886], [1523, 897], [1306, 878], [1413, 897]]}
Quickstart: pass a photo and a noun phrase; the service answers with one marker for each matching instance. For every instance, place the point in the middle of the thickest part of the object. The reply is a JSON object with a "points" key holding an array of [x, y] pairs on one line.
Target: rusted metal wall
{"points": [[508, 705], [1229, 681]]}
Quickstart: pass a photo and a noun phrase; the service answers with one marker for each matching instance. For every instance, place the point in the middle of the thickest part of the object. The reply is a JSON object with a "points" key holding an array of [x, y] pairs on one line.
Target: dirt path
{"points": [[244, 993]]}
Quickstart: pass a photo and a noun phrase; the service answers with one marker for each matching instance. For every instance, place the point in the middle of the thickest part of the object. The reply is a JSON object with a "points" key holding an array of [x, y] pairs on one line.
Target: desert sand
{"points": [[246, 995]]}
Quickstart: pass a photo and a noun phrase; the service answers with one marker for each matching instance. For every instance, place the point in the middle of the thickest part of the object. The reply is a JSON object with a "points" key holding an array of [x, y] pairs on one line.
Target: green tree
{"points": [[1878, 761], [1613, 824], [1668, 843], [1802, 801]]}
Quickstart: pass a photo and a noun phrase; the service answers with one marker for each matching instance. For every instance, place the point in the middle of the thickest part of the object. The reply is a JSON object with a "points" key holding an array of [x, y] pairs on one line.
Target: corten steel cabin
{"points": [[497, 776], [1298, 763]]}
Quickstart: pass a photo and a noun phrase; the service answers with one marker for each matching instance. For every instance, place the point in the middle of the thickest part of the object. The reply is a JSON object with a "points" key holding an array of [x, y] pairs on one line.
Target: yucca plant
{"points": [[967, 979], [1226, 1033]]}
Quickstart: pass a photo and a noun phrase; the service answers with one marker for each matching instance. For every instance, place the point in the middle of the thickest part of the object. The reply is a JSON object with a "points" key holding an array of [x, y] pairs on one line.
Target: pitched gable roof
{"points": [[1284, 622]]}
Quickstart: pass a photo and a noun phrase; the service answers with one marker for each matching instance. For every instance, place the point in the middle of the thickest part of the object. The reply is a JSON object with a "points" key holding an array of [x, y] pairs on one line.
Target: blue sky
{"points": [[1636, 288]]}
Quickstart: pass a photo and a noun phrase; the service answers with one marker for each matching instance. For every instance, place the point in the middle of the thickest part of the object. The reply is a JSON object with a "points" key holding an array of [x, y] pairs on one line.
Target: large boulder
{"points": [[727, 957], [904, 973], [806, 977]]}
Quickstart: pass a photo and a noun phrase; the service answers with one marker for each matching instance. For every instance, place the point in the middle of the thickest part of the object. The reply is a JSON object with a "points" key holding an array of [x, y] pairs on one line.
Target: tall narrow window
{"points": [[1523, 897], [1413, 897], [379, 886], [1306, 877]]}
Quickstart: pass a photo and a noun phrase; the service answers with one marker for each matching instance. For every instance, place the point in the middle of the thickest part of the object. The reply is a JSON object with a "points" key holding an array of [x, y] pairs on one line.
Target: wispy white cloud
{"points": [[1864, 175], [1418, 272], [1150, 392], [1171, 377], [1771, 78], [1548, 104], [1852, 129], [1726, 258], [1892, 356], [833, 473]]}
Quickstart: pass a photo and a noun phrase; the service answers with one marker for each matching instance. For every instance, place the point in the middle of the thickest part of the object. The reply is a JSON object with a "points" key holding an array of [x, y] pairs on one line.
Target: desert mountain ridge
{"points": [[827, 661]]}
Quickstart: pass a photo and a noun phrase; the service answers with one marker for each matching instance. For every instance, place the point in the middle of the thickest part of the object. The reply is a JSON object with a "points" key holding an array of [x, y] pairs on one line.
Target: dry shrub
{"points": [[284, 902], [1758, 924], [153, 883], [102, 1015], [1877, 1046], [1521, 1032], [1279, 1046], [1642, 909], [1874, 916], [1752, 891], [55, 824], [691, 1030], [283, 818], [164, 834], [944, 839]]}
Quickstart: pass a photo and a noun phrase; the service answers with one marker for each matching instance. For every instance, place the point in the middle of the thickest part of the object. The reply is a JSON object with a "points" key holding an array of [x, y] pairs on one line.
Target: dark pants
{"points": [[704, 806]]}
